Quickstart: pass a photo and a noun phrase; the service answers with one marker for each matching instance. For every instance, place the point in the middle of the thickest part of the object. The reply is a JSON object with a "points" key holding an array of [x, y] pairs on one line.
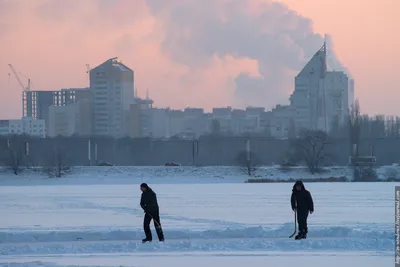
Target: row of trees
{"points": [[312, 148], [18, 152], [364, 126]]}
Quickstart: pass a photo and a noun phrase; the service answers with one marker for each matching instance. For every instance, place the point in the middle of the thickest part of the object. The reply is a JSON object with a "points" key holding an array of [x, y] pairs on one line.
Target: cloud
{"points": [[185, 52], [332, 59], [278, 38], [92, 15]]}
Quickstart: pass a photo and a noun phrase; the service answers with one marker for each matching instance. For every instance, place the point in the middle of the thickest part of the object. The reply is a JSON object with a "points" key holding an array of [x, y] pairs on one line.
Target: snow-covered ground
{"points": [[178, 175], [97, 222]]}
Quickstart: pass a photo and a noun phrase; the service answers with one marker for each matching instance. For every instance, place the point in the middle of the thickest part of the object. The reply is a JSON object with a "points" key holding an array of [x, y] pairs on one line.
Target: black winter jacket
{"points": [[148, 201], [301, 199]]}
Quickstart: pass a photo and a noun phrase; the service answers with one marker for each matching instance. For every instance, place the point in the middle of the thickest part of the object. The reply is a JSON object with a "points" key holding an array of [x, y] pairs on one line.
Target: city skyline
{"points": [[320, 101], [170, 75]]}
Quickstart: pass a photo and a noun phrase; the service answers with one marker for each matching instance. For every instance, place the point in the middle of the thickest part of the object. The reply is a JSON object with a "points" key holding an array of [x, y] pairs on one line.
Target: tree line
{"points": [[313, 148]]}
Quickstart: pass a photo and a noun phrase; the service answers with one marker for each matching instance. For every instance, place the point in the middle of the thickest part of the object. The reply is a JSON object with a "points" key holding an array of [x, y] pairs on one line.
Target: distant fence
{"points": [[210, 151]]}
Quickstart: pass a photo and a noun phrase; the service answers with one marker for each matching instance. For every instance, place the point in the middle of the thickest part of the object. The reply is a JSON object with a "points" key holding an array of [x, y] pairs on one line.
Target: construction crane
{"points": [[31, 86], [28, 88]]}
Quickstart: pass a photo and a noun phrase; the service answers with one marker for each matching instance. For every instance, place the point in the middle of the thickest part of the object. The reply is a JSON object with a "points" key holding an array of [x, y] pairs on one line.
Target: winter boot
{"points": [[301, 235], [146, 240]]}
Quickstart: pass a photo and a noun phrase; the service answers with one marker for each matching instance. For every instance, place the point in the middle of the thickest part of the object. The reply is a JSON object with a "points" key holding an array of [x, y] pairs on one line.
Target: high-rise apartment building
{"points": [[336, 99], [37, 104], [320, 96], [64, 97], [112, 94], [308, 89]]}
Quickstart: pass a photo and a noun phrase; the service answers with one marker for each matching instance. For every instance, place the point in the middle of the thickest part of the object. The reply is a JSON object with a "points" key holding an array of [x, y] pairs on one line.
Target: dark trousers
{"points": [[302, 221], [155, 216]]}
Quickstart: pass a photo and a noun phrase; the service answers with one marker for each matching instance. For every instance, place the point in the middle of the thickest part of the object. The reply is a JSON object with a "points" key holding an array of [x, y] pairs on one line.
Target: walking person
{"points": [[302, 203], [149, 204]]}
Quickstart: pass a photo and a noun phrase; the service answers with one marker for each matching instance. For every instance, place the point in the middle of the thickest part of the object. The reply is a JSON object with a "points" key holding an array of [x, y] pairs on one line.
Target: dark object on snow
{"points": [[105, 164], [173, 164], [303, 204], [149, 204]]}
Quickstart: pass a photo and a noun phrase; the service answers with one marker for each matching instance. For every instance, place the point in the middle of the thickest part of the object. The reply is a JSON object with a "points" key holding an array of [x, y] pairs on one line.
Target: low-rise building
{"points": [[281, 121], [253, 119], [73, 119], [224, 118], [26, 125], [139, 123], [176, 122]]}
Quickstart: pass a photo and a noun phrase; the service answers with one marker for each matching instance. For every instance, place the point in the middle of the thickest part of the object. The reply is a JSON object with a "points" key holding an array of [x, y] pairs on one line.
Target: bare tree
{"points": [[362, 126], [59, 167], [310, 147], [58, 161], [17, 148], [393, 127], [354, 127], [247, 161]]}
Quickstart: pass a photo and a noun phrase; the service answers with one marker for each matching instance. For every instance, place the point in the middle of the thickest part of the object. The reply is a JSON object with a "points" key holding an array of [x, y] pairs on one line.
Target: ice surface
{"points": [[49, 223], [263, 259]]}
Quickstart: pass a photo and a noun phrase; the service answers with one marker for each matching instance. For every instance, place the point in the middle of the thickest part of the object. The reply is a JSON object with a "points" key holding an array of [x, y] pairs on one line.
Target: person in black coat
{"points": [[302, 203], [149, 204]]}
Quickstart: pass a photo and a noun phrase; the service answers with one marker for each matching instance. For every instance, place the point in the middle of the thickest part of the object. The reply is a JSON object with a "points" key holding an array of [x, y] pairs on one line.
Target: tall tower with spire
{"points": [[307, 98], [320, 97]]}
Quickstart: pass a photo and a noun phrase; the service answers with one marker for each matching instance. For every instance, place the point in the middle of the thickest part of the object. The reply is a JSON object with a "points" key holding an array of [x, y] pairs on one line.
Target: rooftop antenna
{"points": [[147, 94], [324, 49]]}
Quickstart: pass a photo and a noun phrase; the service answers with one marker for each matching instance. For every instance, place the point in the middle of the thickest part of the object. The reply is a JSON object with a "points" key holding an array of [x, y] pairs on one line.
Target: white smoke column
{"points": [[332, 60]]}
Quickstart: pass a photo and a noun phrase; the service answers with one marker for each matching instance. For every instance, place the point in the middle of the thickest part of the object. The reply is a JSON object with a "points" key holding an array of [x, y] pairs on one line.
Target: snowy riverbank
{"points": [[179, 175]]}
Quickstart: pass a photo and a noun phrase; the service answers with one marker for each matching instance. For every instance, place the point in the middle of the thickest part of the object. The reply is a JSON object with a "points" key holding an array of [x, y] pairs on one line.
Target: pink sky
{"points": [[51, 41]]}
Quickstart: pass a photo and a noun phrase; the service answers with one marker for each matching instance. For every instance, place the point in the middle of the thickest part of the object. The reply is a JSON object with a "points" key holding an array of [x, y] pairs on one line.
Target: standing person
{"points": [[302, 203], [149, 204]]}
